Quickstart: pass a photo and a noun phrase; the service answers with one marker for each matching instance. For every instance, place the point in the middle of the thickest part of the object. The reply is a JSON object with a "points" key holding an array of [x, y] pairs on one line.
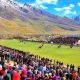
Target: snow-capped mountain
{"points": [[10, 3], [34, 19]]}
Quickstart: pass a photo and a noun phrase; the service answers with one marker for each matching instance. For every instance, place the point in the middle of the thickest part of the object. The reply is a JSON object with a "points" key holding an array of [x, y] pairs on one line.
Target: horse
{"points": [[71, 46], [40, 46], [59, 46]]}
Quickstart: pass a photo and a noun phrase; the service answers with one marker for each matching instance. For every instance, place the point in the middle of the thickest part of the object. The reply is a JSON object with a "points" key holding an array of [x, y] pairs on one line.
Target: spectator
{"points": [[24, 66]]}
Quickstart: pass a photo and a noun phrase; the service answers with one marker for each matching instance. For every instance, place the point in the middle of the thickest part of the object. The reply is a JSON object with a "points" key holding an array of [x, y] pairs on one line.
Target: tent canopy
{"points": [[78, 42]]}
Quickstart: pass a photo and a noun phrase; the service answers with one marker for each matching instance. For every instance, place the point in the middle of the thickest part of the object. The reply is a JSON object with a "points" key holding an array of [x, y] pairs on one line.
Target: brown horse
{"points": [[40, 46]]}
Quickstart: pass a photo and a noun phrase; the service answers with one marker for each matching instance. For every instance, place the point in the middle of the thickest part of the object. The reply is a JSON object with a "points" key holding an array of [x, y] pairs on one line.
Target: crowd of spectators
{"points": [[19, 65], [65, 40]]}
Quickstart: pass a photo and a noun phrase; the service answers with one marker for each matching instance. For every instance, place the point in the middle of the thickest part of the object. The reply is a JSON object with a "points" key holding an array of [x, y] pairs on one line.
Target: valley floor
{"points": [[64, 54]]}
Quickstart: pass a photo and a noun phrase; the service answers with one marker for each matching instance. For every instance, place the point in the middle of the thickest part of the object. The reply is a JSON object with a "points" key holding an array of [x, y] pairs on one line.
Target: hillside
{"points": [[22, 20]]}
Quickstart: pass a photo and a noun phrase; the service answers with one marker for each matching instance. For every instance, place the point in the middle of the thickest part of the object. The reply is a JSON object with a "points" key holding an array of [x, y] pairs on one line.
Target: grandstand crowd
{"points": [[19, 65], [65, 40]]}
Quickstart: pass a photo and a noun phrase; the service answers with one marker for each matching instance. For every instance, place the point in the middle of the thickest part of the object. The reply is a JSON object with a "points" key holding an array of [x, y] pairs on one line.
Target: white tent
{"points": [[78, 43]]}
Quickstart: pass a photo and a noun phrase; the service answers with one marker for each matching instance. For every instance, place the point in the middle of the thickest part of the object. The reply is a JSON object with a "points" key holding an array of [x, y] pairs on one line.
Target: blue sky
{"points": [[67, 8]]}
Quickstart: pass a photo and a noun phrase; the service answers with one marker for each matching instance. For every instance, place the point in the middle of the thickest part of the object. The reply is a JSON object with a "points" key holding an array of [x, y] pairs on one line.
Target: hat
{"points": [[50, 74]]}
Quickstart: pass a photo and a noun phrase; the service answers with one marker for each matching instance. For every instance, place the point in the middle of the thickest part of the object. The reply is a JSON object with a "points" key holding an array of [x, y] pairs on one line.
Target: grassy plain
{"points": [[65, 53]]}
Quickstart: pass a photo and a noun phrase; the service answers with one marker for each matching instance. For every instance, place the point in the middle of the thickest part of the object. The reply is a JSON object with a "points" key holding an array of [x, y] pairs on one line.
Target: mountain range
{"points": [[77, 18], [24, 20]]}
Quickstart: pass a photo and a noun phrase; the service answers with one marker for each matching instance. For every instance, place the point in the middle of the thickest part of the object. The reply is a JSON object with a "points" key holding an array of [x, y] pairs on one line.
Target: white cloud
{"points": [[74, 12], [72, 5], [50, 1], [58, 9], [46, 1], [78, 3], [67, 10], [40, 3], [43, 7]]}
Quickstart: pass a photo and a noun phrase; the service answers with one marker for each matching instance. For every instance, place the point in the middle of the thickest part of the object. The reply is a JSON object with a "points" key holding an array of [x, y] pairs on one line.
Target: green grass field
{"points": [[65, 53]]}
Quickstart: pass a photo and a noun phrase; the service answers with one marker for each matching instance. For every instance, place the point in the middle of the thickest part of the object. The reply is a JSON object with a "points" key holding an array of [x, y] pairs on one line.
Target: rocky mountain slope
{"points": [[23, 19]]}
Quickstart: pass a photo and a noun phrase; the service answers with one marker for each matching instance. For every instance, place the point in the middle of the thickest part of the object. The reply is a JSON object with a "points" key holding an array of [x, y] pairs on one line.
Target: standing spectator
{"points": [[16, 75]]}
